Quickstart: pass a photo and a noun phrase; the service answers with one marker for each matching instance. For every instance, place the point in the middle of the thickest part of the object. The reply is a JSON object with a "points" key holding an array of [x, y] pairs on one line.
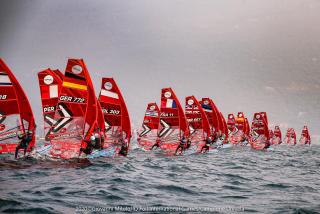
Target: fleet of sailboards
{"points": [[79, 124]]}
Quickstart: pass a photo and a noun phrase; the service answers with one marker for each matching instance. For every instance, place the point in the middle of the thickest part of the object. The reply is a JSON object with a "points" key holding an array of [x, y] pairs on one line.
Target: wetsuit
{"points": [[267, 144], [124, 149], [181, 145], [98, 142], [24, 143], [156, 144], [188, 144], [102, 139], [207, 145], [89, 148]]}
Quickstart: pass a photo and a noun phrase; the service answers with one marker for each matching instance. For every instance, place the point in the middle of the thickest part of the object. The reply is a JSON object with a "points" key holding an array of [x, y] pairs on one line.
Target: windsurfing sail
{"points": [[213, 115], [116, 115], [173, 123], [76, 112], [291, 137], [50, 82], [305, 136], [259, 134], [240, 121], [148, 133], [277, 136], [238, 135], [231, 123], [16, 115], [199, 127]]}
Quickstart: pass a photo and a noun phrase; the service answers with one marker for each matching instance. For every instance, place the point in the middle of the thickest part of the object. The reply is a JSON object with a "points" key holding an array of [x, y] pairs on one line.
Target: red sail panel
{"points": [[238, 135], [305, 136], [148, 133], [50, 82], [173, 124], [259, 132], [224, 128], [199, 127], [270, 133], [290, 137], [247, 127], [212, 113], [266, 122], [100, 119], [15, 111], [76, 112], [116, 115], [277, 136]]}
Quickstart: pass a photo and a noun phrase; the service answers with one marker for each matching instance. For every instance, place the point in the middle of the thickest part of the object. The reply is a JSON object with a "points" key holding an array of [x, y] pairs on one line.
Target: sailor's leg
{"points": [[17, 151], [25, 151], [176, 150]]}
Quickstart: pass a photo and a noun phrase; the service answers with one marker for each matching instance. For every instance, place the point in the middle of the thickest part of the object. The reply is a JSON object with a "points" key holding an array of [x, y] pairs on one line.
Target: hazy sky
{"points": [[247, 55]]}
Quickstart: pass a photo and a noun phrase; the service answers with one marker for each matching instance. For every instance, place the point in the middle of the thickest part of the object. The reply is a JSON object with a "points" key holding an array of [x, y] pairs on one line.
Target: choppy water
{"points": [[237, 180]]}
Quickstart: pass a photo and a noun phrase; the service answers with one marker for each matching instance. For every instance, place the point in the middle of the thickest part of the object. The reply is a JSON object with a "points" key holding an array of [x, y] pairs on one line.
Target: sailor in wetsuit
{"points": [[188, 143], [124, 148], [182, 145], [267, 144], [90, 145], [24, 142], [157, 144], [98, 143], [102, 139], [207, 145]]}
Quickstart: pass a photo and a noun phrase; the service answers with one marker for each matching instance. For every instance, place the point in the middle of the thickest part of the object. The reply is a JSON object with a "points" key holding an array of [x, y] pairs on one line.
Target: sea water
{"points": [[234, 180]]}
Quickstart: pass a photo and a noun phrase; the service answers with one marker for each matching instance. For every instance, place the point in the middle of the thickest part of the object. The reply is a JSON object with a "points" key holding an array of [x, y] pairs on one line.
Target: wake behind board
{"points": [[270, 149], [108, 152]]}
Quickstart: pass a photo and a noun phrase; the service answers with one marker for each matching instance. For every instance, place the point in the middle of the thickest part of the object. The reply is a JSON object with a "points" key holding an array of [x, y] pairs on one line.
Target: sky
{"points": [[246, 55]]}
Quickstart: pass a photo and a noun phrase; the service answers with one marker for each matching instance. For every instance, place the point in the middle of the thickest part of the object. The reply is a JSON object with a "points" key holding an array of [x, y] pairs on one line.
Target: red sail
{"points": [[240, 121], [15, 111], [277, 136], [305, 136], [173, 124], [231, 123], [213, 115], [199, 126], [76, 112], [290, 137], [148, 133], [259, 135], [50, 82], [238, 135], [116, 116]]}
